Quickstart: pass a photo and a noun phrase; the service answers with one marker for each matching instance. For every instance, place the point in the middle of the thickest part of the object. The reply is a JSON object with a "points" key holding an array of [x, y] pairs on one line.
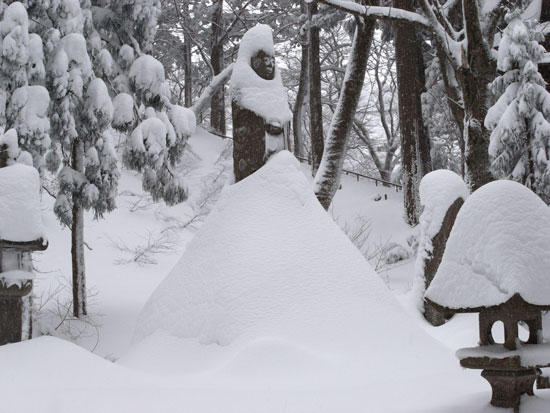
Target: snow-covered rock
{"points": [[438, 191], [20, 213], [499, 246], [266, 98]]}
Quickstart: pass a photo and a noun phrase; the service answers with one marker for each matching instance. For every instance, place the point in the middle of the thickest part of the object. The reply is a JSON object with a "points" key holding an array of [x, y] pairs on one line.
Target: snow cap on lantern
{"points": [[499, 247]]}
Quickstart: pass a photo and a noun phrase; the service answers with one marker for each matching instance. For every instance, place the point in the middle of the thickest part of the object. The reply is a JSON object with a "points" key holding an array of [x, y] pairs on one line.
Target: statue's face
{"points": [[264, 65]]}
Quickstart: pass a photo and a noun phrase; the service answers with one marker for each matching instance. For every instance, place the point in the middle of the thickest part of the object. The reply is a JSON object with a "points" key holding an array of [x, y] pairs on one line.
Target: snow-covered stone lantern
{"points": [[21, 233], [496, 264], [261, 114]]}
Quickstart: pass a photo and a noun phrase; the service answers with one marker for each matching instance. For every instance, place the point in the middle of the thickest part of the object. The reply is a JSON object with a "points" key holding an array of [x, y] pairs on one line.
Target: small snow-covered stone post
{"points": [[496, 264], [20, 234], [442, 193], [261, 114]]}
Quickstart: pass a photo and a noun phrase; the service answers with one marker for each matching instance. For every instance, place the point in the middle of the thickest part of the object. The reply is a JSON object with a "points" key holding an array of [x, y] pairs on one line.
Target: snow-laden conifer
{"points": [[23, 100], [519, 120], [157, 131], [81, 112]]}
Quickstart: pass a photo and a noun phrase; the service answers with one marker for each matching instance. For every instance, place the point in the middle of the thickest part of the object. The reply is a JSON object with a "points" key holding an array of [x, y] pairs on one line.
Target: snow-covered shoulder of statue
{"points": [[266, 98]]}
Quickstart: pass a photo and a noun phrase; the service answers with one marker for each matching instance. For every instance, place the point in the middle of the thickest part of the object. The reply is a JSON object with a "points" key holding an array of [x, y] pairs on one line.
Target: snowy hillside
{"points": [[372, 348]]}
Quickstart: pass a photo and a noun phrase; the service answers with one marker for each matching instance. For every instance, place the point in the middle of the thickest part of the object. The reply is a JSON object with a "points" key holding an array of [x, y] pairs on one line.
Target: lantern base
{"points": [[509, 386]]}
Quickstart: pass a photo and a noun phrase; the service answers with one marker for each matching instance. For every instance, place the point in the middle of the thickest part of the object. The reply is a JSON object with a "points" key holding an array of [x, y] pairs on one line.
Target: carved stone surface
{"points": [[433, 315], [264, 65], [510, 313], [12, 317], [248, 142], [508, 386]]}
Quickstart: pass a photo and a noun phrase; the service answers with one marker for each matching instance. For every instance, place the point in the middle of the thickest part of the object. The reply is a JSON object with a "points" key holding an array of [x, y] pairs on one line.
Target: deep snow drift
{"points": [[53, 375], [270, 271], [499, 246]]}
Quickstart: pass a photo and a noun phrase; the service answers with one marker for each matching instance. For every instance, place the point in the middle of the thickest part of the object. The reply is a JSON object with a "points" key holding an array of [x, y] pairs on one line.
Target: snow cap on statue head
{"points": [[259, 38], [265, 97]]}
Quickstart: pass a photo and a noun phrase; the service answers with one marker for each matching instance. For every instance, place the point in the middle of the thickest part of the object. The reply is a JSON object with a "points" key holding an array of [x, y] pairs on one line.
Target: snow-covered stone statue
{"points": [[261, 115], [21, 232]]}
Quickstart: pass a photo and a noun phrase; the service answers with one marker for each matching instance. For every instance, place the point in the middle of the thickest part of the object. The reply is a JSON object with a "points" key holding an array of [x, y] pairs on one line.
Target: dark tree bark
{"points": [[327, 178], [77, 240], [315, 103], [424, 144], [297, 116], [217, 105], [415, 146], [454, 100], [545, 18], [475, 74], [188, 72]]}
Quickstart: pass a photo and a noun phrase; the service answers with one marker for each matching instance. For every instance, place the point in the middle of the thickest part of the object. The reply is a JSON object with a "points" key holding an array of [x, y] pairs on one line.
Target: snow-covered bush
{"points": [[519, 120]]}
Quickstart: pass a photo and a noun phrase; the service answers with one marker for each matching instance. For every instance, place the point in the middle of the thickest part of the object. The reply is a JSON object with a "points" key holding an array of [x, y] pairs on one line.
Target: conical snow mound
{"points": [[270, 262], [499, 246]]}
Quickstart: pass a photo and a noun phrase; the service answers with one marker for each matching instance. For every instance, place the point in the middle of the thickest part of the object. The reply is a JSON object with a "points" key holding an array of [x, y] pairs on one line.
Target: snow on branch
{"points": [[390, 13], [211, 89], [447, 40]]}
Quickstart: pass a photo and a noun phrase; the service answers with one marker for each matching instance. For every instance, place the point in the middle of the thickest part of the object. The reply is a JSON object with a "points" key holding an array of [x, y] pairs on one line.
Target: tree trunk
{"points": [[188, 73], [530, 170], [415, 156], [77, 240], [545, 18], [217, 105], [424, 145], [297, 116], [327, 179], [454, 100], [475, 73], [315, 104]]}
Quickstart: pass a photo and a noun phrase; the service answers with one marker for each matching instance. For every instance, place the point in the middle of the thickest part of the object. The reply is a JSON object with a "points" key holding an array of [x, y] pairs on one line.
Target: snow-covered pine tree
{"points": [[80, 113], [519, 120], [157, 130], [23, 99]]}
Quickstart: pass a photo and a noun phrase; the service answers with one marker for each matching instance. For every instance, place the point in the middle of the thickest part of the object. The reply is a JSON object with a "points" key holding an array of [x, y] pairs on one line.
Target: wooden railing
{"points": [[358, 175]]}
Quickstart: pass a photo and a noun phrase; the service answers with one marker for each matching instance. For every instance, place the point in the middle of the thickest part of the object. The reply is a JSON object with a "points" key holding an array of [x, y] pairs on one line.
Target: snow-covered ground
{"points": [[373, 356]]}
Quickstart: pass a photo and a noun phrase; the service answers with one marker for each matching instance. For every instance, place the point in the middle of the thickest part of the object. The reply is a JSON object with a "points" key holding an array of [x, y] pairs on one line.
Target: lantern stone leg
{"points": [[15, 311], [509, 386]]}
